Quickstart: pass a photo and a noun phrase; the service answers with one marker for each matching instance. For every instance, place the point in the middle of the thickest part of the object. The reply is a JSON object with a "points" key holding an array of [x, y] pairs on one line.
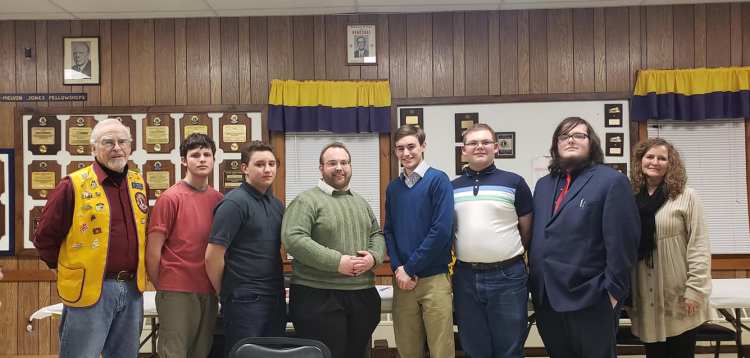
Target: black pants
{"points": [[342, 320], [680, 346], [590, 332], [247, 314]]}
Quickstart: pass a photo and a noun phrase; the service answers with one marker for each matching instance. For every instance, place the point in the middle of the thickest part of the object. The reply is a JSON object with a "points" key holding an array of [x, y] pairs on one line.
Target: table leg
{"points": [[738, 329], [155, 332]]}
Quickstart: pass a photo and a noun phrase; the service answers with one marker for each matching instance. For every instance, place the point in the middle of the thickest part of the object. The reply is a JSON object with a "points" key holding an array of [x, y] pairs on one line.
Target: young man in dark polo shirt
{"points": [[243, 260]]}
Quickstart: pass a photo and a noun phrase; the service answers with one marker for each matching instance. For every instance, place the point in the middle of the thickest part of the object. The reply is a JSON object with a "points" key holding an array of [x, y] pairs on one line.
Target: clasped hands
{"points": [[356, 265]]}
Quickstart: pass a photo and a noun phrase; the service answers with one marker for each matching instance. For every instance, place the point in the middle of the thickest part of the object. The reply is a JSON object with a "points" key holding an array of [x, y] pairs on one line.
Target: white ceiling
{"points": [[129, 9]]}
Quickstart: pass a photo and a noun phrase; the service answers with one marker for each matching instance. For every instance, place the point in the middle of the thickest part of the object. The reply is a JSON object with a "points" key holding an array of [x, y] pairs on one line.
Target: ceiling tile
{"points": [[132, 6]]}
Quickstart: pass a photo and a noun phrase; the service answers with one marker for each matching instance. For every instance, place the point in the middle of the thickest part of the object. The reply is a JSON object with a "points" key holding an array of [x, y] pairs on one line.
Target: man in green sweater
{"points": [[336, 243]]}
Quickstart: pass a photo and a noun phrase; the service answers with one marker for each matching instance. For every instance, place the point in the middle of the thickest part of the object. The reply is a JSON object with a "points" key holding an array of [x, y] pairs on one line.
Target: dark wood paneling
{"points": [[508, 52], [25, 32], [259, 59], [142, 72], [718, 26], [230, 87], [304, 47], [197, 40], [523, 52], [617, 55], [164, 62], [419, 55], [320, 47], [583, 50], [477, 53], [746, 34], [442, 54], [336, 68], [459, 57], [660, 38], [40, 58], [634, 15], [600, 48], [560, 51], [180, 61], [280, 47], [105, 62], [699, 32], [736, 34], [75, 30], [28, 303], [397, 56], [493, 50], [120, 63], [243, 55], [538, 51], [383, 31], [214, 59], [91, 28], [684, 36]]}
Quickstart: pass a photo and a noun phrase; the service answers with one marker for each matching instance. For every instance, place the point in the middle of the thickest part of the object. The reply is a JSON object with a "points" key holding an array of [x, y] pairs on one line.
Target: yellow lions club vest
{"points": [[83, 254]]}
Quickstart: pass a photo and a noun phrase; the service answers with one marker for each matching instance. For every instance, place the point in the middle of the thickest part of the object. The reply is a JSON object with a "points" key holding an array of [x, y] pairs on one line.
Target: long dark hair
{"points": [[596, 155]]}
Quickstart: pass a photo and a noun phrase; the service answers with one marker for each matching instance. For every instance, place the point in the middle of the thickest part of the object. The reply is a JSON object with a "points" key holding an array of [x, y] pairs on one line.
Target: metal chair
{"points": [[279, 347]]}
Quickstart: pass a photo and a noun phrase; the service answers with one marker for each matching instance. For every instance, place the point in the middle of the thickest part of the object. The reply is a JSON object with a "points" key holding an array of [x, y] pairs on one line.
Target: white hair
{"points": [[96, 133]]}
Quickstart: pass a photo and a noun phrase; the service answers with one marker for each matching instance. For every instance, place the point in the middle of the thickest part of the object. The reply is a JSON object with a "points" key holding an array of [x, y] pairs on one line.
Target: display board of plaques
{"points": [[7, 234], [57, 142]]}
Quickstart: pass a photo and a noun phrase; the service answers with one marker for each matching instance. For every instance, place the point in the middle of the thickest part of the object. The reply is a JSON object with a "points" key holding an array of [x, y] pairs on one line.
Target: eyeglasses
{"points": [[474, 144], [333, 163], [108, 143], [578, 137]]}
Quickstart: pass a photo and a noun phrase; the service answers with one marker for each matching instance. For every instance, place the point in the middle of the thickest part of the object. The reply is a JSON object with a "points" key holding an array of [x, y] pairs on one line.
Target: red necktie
{"points": [[564, 192]]}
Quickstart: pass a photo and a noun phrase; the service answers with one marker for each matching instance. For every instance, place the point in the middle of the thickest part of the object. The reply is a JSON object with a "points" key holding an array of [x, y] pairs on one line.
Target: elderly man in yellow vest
{"points": [[92, 234]]}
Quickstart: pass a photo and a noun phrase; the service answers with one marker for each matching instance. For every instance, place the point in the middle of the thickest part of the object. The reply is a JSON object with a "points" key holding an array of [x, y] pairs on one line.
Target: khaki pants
{"points": [[186, 323], [426, 312]]}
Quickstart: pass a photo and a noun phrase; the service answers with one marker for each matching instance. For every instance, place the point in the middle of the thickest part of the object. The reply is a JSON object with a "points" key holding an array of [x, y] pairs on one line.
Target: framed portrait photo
{"points": [[506, 143], [361, 45], [81, 60]]}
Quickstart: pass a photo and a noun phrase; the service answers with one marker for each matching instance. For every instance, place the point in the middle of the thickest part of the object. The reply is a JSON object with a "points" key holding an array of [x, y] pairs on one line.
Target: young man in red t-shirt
{"points": [[176, 247]]}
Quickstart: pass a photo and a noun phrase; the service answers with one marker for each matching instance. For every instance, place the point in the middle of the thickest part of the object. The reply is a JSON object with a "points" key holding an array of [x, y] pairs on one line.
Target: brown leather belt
{"points": [[120, 276], [484, 266]]}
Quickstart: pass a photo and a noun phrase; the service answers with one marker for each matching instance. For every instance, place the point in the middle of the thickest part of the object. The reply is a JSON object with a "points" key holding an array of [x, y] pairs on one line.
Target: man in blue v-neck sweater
{"points": [[419, 233]]}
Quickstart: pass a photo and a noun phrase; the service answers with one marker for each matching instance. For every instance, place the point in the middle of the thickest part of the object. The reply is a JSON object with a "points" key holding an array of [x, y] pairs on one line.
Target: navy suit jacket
{"points": [[588, 247]]}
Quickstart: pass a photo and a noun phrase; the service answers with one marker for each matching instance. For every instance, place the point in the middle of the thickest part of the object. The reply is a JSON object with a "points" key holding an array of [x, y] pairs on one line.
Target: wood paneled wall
{"points": [[232, 60]]}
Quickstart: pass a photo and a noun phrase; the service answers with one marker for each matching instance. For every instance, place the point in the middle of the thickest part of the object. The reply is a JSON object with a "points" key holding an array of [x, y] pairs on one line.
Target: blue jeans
{"points": [[491, 310], [111, 327], [247, 314]]}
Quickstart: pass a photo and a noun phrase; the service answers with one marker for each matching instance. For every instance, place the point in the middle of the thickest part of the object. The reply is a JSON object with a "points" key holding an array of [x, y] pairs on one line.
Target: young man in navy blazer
{"points": [[585, 237]]}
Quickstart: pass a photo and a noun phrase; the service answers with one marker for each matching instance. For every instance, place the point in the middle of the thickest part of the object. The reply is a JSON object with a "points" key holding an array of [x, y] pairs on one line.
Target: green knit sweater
{"points": [[318, 228]]}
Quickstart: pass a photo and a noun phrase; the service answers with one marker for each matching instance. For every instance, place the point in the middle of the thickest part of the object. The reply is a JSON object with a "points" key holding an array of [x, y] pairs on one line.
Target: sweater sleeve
{"points": [[296, 235], [441, 227], [698, 285], [376, 242], [390, 240]]}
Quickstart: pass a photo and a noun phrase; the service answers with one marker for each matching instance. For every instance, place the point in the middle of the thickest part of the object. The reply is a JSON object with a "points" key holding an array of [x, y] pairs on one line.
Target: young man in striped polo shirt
{"points": [[493, 212]]}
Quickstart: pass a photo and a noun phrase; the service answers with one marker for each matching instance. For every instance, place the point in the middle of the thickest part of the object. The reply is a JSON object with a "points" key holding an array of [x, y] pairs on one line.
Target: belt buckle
{"points": [[123, 276]]}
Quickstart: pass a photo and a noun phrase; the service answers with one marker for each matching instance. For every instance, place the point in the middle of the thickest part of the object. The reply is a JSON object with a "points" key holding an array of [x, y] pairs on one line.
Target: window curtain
{"points": [[334, 106], [692, 94]]}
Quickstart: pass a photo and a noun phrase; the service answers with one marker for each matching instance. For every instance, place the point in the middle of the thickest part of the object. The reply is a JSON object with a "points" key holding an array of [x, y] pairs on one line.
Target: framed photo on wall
{"points": [[361, 45], [81, 60], [506, 142]]}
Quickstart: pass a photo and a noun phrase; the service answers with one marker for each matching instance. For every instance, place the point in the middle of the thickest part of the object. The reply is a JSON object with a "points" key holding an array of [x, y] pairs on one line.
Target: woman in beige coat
{"points": [[672, 279]]}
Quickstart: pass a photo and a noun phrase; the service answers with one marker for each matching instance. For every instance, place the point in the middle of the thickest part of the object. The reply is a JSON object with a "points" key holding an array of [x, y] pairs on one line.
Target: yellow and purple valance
{"points": [[692, 94], [335, 106]]}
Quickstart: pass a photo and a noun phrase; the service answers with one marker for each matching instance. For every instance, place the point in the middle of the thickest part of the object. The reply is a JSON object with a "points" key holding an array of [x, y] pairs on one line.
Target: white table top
{"points": [[730, 293], [149, 305]]}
